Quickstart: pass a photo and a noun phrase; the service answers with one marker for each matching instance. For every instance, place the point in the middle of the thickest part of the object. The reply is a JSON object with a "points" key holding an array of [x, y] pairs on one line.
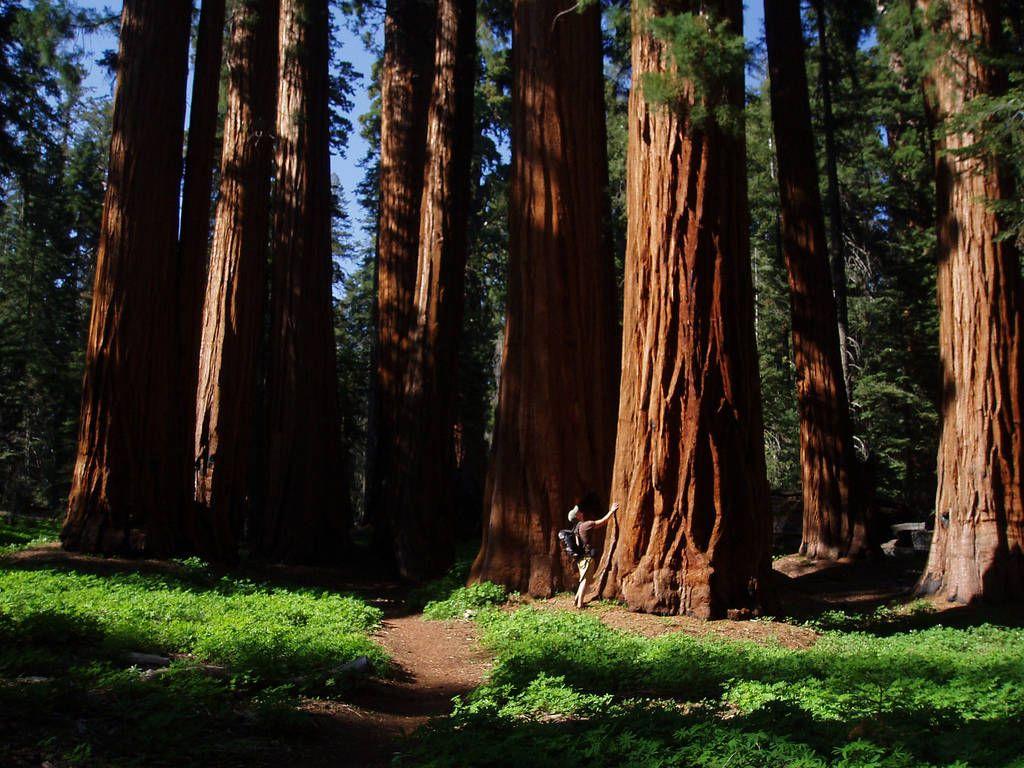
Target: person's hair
{"points": [[589, 505]]}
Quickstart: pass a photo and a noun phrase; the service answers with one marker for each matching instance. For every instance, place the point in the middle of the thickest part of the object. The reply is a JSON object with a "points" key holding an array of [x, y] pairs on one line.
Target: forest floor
{"points": [[434, 661], [255, 654]]}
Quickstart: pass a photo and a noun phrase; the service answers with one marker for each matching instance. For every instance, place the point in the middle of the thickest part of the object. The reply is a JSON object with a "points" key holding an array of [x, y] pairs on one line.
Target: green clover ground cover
{"points": [[569, 691], [22, 532], [70, 695]]}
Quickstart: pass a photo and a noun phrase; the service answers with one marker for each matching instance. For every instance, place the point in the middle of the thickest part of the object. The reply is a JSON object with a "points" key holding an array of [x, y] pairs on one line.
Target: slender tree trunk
{"points": [[553, 439], [129, 489], [826, 440], [835, 210], [978, 545], [195, 198], [420, 507], [406, 77], [305, 516], [234, 306], [694, 533]]}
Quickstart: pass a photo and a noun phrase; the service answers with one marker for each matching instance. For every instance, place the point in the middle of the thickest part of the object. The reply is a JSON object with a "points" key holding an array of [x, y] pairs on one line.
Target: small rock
{"points": [[358, 667], [148, 660], [33, 679]]}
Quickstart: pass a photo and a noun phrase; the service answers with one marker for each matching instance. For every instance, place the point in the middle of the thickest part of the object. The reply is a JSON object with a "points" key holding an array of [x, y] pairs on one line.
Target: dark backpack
{"points": [[573, 544]]}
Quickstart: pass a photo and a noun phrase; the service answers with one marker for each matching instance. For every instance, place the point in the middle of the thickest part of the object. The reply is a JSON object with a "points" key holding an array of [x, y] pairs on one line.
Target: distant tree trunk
{"points": [[195, 198], [553, 439], [835, 210], [306, 508], [129, 489], [419, 498], [234, 306], [406, 77], [978, 546], [694, 533], [826, 441]]}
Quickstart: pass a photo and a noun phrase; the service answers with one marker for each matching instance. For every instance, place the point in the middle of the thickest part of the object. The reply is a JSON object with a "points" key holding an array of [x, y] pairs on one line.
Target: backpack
{"points": [[573, 544]]}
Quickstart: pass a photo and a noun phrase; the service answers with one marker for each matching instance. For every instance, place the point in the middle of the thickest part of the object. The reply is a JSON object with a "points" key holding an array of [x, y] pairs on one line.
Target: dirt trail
{"points": [[435, 661]]}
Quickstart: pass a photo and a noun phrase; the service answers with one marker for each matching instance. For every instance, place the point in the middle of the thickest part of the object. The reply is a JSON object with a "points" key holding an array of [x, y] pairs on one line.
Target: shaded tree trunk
{"points": [[195, 197], [406, 77], [978, 546], [129, 489], [419, 498], [835, 210], [555, 426], [305, 515], [826, 440], [694, 532], [234, 306]]}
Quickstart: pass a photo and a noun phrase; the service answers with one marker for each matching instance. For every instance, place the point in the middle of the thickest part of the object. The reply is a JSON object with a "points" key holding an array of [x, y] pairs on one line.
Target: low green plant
{"points": [[22, 532], [567, 690], [70, 693], [263, 633], [465, 602]]}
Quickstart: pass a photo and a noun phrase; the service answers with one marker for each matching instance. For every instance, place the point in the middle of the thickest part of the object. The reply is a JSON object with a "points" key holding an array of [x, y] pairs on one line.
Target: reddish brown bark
{"points": [[195, 197], [420, 507], [694, 532], [406, 78], [305, 514], [556, 407], [233, 310], [835, 209], [128, 492], [825, 436], [978, 545]]}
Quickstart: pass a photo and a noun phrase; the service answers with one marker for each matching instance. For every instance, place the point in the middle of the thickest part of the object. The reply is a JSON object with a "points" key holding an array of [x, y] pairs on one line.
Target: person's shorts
{"points": [[584, 565]]}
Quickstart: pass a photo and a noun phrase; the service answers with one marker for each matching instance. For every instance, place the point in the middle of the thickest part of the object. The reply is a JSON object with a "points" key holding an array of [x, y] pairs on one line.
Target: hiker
{"points": [[579, 543]]}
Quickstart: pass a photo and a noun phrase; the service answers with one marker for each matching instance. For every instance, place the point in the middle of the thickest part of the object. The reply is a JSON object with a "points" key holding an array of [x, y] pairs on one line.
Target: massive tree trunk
{"points": [[694, 533], [826, 441], [305, 515], [553, 440], [835, 211], [128, 493], [233, 311], [195, 197], [978, 546], [419, 498], [406, 77]]}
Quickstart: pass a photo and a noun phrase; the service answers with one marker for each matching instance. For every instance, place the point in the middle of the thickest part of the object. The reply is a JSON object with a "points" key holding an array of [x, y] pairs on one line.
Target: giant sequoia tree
{"points": [[978, 545], [825, 436], [405, 94], [556, 407], [305, 508], [694, 533], [233, 310], [195, 194], [419, 496], [129, 486]]}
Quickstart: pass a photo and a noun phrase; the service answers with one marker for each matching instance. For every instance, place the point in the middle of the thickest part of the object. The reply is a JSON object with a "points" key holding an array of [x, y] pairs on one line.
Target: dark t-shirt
{"points": [[585, 531]]}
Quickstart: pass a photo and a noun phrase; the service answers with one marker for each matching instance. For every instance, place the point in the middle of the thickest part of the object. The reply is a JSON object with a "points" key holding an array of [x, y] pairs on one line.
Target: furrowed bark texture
{"points": [[406, 80], [195, 198], [825, 435], [694, 531], [553, 439], [978, 546], [835, 209], [419, 499], [233, 310], [305, 515], [128, 494]]}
